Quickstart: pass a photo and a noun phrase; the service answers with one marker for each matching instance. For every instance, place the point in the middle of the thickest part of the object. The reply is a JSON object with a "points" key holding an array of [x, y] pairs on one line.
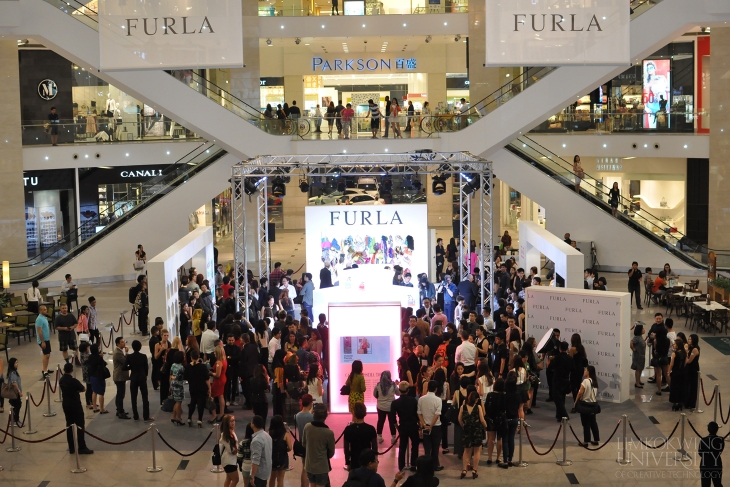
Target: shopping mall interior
{"points": [[144, 155]]}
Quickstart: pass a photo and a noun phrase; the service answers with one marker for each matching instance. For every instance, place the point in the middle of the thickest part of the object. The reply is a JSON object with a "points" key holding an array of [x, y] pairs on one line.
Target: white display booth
{"points": [[535, 240], [601, 318], [162, 275]]}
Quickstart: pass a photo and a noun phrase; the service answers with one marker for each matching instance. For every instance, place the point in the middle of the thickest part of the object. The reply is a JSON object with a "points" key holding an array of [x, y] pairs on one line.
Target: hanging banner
{"points": [[554, 33], [180, 34]]}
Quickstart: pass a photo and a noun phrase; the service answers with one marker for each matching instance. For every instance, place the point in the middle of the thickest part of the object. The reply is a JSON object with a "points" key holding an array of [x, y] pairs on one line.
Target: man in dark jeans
{"points": [[233, 356], [72, 408], [120, 376], [635, 283], [138, 369], [660, 353], [562, 367], [406, 407], [429, 414]]}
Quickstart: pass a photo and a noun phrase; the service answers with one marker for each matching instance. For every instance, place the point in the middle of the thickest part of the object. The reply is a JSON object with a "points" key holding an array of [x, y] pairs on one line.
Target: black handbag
{"points": [[168, 405], [345, 390], [298, 448], [585, 407], [452, 414]]}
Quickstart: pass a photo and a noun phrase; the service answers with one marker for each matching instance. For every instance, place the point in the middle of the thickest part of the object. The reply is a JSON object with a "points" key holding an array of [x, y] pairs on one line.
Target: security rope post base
{"points": [[683, 455], [154, 468], [79, 468], [30, 430], [624, 460], [59, 374], [698, 408], [217, 468], [715, 394], [12, 448], [565, 462], [48, 413], [520, 462]]}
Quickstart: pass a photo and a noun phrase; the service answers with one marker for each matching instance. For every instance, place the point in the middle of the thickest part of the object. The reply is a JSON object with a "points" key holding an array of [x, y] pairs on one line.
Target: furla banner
{"points": [[170, 34], [555, 32]]}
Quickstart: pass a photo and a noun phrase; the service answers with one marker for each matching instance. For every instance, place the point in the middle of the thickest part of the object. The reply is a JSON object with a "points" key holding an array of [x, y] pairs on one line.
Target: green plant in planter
{"points": [[721, 282], [4, 300]]}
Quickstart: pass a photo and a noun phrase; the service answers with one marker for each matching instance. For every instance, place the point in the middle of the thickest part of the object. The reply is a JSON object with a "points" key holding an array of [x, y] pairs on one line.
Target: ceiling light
{"points": [[278, 188], [303, 185], [438, 186], [428, 39], [297, 41], [268, 42], [457, 38]]}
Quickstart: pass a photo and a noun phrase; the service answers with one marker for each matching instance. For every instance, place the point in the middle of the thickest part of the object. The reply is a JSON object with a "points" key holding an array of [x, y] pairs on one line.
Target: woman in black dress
{"points": [[580, 362], [678, 383], [692, 370], [614, 195]]}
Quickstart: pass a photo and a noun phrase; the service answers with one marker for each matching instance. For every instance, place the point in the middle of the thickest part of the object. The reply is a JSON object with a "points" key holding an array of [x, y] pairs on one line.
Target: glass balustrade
{"points": [[124, 207], [619, 122], [37, 132]]}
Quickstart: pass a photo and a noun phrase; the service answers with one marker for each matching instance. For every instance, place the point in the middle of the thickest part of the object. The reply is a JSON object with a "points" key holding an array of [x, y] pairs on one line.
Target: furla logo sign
{"points": [[553, 32], [170, 34]]}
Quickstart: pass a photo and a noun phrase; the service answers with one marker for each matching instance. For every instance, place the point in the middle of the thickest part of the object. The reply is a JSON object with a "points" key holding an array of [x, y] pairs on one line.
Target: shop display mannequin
{"points": [[110, 105]]}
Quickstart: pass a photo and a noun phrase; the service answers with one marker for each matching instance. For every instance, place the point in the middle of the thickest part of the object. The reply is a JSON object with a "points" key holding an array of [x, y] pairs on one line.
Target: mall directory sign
{"points": [[170, 34], [554, 33]]}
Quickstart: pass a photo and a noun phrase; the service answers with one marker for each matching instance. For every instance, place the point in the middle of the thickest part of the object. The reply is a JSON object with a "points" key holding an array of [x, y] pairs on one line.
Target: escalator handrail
{"points": [[47, 252], [113, 226]]}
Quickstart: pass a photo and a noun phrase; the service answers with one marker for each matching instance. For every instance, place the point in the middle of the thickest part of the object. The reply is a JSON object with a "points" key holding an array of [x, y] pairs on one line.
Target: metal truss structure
{"points": [[472, 174]]}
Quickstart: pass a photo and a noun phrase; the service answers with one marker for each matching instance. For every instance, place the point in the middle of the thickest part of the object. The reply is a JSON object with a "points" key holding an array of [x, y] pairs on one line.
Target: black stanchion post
{"points": [[154, 468], [12, 448], [79, 468], [565, 462], [28, 403], [48, 413], [624, 460]]}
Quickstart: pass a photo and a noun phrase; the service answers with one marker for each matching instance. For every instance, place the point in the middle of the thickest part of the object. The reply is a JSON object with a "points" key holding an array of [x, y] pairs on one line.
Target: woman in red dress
{"points": [[219, 383]]}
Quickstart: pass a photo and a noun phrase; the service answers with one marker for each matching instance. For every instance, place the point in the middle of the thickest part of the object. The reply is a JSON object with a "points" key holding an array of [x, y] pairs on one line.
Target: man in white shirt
{"points": [[207, 340], [466, 353], [67, 284], [429, 415], [286, 284], [458, 310], [274, 345]]}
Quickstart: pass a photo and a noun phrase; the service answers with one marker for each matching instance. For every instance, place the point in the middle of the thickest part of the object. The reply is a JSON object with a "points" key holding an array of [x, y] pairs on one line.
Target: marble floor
{"points": [[49, 464]]}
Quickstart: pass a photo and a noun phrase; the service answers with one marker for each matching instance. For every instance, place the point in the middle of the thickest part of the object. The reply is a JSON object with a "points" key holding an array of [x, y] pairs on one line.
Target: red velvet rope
{"points": [[30, 396], [527, 430], [119, 442], [34, 441], [704, 398], [604, 443], [649, 446]]}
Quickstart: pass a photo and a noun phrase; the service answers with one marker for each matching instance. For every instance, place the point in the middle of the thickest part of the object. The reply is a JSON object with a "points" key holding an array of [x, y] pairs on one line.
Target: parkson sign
{"points": [[551, 33]]}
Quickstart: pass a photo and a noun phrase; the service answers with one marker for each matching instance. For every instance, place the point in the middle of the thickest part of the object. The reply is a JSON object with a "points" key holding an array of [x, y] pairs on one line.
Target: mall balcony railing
{"points": [[318, 128], [371, 8], [620, 122], [104, 130], [95, 226], [476, 110], [657, 229]]}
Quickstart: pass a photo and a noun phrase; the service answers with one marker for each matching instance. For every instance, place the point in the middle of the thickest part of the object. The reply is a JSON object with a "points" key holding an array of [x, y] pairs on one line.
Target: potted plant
{"points": [[720, 289]]}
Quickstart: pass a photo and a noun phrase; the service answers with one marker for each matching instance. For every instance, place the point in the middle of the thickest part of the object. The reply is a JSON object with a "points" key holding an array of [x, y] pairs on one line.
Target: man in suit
{"points": [[120, 375], [710, 449], [406, 407], [562, 368], [468, 289], [138, 368], [427, 309]]}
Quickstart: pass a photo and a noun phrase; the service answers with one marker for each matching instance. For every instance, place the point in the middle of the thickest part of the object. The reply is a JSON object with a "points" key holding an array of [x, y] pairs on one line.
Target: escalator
{"points": [[536, 171], [499, 118], [114, 221]]}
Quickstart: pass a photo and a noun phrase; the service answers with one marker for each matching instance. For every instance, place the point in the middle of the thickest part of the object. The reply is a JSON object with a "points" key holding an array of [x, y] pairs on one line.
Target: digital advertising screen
{"points": [[366, 235], [656, 91], [368, 332]]}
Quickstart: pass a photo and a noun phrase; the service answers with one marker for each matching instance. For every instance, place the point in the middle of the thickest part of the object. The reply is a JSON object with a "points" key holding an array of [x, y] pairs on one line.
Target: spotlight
{"points": [[473, 182], [428, 39], [268, 42], [278, 188], [251, 185], [457, 38], [303, 185], [297, 41], [438, 186]]}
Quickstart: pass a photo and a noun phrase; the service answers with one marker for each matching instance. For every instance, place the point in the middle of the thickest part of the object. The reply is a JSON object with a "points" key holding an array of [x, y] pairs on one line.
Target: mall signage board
{"points": [[554, 33], [148, 34], [367, 235], [603, 321], [364, 64]]}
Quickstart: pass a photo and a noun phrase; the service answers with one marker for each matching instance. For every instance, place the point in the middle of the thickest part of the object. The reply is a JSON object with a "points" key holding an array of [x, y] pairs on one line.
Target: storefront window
{"points": [[50, 208]]}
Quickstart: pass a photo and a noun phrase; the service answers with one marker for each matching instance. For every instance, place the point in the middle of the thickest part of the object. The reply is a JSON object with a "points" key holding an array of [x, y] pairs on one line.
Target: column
{"points": [[12, 210], [294, 203], [294, 90], [482, 81], [245, 84], [719, 211], [436, 91]]}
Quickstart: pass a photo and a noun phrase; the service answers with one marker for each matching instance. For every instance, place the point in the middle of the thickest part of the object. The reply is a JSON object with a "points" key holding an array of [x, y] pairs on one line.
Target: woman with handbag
{"points": [[458, 399], [228, 446], [99, 373], [585, 404], [355, 387], [473, 425], [385, 392], [13, 390]]}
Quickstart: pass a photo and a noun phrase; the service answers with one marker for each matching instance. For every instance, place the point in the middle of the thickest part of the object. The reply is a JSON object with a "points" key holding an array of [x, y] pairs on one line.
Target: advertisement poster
{"points": [[378, 350], [656, 90], [383, 235]]}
